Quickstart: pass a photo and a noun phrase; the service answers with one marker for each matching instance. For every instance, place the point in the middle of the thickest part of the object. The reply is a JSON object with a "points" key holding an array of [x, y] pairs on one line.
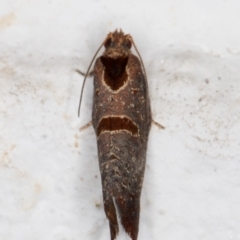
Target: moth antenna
{"points": [[80, 100], [143, 68], [141, 61]]}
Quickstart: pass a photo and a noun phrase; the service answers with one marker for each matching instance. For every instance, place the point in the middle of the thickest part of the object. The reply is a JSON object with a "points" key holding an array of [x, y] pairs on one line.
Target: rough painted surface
{"points": [[50, 184]]}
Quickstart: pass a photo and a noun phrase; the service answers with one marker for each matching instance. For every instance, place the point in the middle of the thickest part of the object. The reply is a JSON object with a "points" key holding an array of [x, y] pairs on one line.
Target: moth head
{"points": [[117, 44]]}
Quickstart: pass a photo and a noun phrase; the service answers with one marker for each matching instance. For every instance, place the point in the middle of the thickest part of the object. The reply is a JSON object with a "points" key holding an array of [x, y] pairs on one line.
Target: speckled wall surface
{"points": [[49, 177]]}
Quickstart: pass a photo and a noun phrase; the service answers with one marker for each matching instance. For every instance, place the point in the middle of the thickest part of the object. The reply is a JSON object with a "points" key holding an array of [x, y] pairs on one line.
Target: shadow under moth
{"points": [[121, 117]]}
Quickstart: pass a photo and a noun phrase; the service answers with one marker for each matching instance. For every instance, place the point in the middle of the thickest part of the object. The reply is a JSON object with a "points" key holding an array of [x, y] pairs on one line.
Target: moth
{"points": [[121, 118]]}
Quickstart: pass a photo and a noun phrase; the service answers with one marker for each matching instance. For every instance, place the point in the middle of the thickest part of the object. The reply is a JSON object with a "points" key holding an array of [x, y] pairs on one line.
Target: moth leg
{"points": [[158, 124], [90, 74], [85, 126], [111, 214]]}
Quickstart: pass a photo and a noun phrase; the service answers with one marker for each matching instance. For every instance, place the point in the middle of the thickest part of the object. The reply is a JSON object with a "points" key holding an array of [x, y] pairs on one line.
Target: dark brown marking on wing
{"points": [[115, 124], [115, 75]]}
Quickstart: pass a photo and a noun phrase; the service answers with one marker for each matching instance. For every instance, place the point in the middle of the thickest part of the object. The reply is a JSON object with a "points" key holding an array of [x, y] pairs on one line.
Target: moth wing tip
{"points": [[129, 214]]}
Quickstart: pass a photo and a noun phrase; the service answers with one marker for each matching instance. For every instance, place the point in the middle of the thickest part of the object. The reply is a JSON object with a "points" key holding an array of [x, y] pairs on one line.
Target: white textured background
{"points": [[49, 178]]}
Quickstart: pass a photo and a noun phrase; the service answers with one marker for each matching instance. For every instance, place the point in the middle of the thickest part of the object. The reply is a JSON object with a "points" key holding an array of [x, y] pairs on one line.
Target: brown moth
{"points": [[121, 118]]}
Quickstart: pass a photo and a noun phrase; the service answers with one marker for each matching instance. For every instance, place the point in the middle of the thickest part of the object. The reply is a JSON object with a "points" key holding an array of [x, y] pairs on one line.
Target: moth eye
{"points": [[127, 43], [108, 43]]}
